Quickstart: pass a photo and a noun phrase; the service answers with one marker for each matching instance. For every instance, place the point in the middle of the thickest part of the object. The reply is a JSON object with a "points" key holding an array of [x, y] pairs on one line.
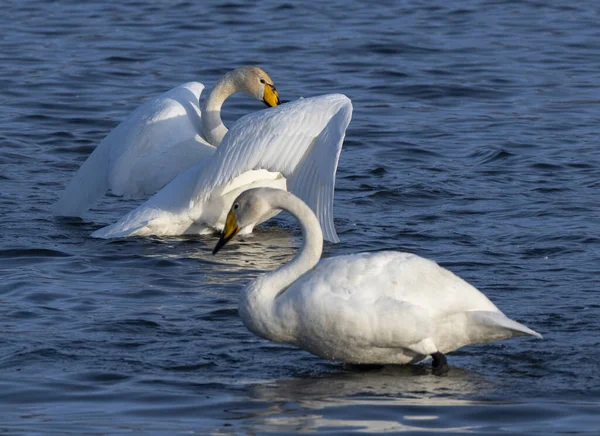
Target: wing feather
{"points": [[142, 154], [302, 140]]}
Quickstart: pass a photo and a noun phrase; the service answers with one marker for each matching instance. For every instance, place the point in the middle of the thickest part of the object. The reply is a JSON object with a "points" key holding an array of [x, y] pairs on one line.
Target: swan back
{"points": [[364, 278]]}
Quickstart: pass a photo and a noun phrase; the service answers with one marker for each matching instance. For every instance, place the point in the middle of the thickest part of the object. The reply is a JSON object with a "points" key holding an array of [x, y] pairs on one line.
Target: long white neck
{"points": [[257, 301], [310, 252], [213, 128]]}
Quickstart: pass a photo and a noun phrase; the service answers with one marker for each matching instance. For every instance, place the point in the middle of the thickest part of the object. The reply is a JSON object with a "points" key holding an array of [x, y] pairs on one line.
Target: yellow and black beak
{"points": [[270, 96], [231, 229]]}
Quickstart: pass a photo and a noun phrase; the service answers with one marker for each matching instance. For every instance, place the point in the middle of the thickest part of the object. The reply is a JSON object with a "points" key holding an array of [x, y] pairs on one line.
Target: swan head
{"points": [[255, 82], [248, 209]]}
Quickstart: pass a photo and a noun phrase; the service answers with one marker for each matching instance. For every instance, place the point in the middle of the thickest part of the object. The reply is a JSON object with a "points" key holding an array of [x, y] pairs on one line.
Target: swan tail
{"points": [[113, 231], [131, 224], [500, 324], [87, 187]]}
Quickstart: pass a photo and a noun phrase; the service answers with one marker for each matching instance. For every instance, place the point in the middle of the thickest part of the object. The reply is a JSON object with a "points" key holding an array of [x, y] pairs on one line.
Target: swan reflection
{"points": [[263, 250], [402, 382], [392, 398]]}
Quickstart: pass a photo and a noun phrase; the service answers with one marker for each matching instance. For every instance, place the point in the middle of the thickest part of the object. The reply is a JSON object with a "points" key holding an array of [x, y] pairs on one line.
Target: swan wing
{"points": [[165, 213], [392, 299], [364, 292], [142, 154], [302, 140]]}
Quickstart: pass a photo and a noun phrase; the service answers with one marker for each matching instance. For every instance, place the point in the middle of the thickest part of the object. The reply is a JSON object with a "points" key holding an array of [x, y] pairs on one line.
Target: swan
{"points": [[159, 140], [367, 308], [294, 146]]}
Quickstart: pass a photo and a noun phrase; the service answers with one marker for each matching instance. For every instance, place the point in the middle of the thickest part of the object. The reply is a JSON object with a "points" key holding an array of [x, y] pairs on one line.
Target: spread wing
{"points": [[146, 151], [302, 140]]}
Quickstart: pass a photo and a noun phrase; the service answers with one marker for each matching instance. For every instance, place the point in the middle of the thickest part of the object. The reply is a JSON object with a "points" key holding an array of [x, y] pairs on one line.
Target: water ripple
{"points": [[473, 142]]}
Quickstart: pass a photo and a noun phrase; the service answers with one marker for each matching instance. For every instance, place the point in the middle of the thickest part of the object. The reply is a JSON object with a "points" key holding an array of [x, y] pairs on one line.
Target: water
{"points": [[474, 142]]}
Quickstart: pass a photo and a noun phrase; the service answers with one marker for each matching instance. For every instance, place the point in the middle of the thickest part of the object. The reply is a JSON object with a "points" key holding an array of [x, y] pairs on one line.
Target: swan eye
{"points": [[236, 206], [262, 81]]}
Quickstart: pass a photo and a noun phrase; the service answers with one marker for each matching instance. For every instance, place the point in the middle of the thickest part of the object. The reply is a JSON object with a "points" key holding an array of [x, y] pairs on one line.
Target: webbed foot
{"points": [[439, 363]]}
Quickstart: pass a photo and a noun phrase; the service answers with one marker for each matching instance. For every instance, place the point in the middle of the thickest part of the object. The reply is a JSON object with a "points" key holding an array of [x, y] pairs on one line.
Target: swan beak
{"points": [[270, 96], [231, 229]]}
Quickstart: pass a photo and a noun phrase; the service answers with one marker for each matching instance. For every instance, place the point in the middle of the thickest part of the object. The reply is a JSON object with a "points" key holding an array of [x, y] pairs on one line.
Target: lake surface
{"points": [[474, 142]]}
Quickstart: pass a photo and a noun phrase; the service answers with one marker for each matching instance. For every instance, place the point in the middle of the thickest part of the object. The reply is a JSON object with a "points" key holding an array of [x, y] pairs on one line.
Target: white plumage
{"points": [[369, 308], [143, 153], [294, 146], [160, 140]]}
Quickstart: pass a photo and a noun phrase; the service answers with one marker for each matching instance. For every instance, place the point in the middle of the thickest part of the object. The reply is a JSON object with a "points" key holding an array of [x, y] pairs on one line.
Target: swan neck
{"points": [[213, 128], [258, 303], [310, 252]]}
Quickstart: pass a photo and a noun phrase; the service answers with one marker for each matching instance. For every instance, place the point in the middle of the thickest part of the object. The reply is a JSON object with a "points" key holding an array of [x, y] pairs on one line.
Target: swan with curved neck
{"points": [[387, 307], [294, 146], [160, 140]]}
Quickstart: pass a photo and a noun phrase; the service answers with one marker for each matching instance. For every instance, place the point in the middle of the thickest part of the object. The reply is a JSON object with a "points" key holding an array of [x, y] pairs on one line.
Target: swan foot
{"points": [[439, 363]]}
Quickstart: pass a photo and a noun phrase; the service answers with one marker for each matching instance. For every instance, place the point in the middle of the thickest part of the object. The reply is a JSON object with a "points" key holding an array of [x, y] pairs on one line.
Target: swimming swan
{"points": [[294, 146], [159, 140], [367, 308]]}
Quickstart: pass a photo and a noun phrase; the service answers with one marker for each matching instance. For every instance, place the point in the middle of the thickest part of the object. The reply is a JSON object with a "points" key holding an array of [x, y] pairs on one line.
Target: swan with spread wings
{"points": [[294, 146], [160, 140]]}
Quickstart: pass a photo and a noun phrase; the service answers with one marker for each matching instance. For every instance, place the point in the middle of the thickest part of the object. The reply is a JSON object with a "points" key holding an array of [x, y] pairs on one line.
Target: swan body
{"points": [[160, 140], [368, 308], [294, 146]]}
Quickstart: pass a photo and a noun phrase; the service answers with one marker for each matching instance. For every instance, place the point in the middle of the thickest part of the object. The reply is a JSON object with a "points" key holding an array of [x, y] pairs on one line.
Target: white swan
{"points": [[294, 146], [159, 140], [368, 308]]}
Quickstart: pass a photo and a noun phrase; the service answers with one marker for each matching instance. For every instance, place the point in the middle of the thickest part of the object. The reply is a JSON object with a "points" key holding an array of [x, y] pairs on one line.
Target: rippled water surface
{"points": [[474, 142]]}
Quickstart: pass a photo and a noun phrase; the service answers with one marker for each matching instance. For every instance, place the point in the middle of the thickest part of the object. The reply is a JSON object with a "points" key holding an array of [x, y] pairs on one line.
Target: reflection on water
{"points": [[336, 400], [265, 249], [401, 399], [411, 383]]}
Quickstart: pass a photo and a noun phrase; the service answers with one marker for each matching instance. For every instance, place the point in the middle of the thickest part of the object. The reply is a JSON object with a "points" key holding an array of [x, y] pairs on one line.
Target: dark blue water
{"points": [[474, 142]]}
